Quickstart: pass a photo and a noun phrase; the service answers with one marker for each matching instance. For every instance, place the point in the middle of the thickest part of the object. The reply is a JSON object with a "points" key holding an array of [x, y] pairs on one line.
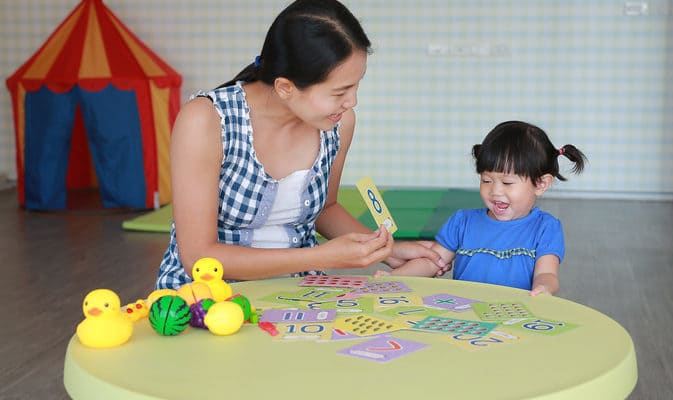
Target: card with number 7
{"points": [[375, 203]]}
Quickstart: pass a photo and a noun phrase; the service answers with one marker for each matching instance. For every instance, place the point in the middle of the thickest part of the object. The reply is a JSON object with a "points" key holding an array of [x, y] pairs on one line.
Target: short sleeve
{"points": [[450, 233], [551, 239]]}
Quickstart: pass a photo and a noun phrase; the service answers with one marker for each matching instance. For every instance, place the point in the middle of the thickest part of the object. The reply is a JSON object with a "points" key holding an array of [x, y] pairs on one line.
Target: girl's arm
{"points": [[545, 275], [196, 155]]}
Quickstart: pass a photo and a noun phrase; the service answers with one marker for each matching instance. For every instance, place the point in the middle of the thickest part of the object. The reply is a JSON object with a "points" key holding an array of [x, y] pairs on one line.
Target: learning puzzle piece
{"points": [[501, 311], [493, 339], [448, 302], [345, 306], [383, 349], [410, 311], [317, 331], [454, 326], [370, 194], [334, 281], [305, 296], [540, 326], [386, 301], [294, 315], [365, 325], [383, 287]]}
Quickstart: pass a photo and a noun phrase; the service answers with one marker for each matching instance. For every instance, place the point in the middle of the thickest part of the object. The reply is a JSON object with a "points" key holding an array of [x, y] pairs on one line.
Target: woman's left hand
{"points": [[404, 251]]}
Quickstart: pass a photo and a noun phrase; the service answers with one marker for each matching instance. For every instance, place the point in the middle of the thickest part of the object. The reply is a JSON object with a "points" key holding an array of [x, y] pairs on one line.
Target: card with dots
{"points": [[501, 311], [365, 325], [454, 326], [334, 281], [383, 287]]}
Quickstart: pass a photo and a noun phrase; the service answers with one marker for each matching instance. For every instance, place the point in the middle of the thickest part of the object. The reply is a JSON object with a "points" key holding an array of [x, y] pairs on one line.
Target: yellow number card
{"points": [[375, 203]]}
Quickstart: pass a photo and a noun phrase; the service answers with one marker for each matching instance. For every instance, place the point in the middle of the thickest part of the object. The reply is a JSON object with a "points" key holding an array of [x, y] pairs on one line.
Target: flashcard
{"points": [[365, 325], [312, 331], [409, 311], [375, 203], [383, 287], [542, 326], [294, 315], [345, 306], [454, 326], [384, 302], [340, 334], [448, 302], [303, 297], [334, 281], [383, 349], [492, 339], [501, 311]]}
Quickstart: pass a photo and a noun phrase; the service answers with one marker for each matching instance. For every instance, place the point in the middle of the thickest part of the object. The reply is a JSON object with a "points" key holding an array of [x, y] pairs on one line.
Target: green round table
{"points": [[594, 360]]}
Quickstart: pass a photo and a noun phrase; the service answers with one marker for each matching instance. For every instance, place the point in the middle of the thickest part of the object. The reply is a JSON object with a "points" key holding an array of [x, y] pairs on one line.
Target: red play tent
{"points": [[94, 106]]}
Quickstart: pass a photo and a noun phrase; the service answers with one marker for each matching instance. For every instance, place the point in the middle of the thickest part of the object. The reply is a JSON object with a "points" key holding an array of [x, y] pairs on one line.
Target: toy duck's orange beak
{"points": [[94, 311], [206, 277]]}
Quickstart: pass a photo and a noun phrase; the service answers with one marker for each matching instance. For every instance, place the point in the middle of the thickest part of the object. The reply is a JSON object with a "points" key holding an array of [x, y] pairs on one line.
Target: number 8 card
{"points": [[375, 203]]}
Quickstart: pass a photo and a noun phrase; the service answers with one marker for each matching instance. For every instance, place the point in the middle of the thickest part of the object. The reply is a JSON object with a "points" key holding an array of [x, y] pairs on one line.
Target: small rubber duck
{"points": [[209, 271], [104, 324]]}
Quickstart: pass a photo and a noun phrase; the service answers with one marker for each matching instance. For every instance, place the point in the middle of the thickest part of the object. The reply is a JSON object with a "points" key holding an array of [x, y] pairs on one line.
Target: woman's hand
{"points": [[357, 250]]}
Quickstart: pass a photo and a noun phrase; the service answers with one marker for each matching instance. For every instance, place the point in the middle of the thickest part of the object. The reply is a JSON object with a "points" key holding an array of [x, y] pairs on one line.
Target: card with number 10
{"points": [[375, 203]]}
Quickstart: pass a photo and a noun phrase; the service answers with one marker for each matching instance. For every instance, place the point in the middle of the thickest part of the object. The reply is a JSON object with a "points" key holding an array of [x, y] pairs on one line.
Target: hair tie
{"points": [[257, 60], [561, 151]]}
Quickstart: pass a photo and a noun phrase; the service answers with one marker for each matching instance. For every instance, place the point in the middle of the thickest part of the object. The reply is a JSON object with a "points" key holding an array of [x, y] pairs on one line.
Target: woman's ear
{"points": [[543, 184], [283, 87]]}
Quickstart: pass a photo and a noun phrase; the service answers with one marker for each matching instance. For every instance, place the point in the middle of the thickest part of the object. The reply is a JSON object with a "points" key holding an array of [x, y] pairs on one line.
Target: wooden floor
{"points": [[619, 261]]}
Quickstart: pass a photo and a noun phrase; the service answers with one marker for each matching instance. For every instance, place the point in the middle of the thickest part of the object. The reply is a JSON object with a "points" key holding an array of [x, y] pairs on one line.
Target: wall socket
{"points": [[469, 50]]}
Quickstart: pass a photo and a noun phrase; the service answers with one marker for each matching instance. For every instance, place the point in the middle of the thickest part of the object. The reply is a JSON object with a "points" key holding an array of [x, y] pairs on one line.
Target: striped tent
{"points": [[93, 107]]}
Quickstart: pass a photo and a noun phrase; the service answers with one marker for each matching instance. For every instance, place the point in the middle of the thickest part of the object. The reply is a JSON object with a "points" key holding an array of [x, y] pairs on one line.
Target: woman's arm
{"points": [[196, 156]]}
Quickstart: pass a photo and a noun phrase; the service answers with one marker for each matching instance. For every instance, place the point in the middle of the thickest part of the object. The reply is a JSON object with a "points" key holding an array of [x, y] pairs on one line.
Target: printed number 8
{"points": [[375, 202]]}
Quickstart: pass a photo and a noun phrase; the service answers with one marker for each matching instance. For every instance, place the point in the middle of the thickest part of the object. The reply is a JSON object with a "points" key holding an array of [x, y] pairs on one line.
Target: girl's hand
{"points": [[540, 289], [405, 251]]}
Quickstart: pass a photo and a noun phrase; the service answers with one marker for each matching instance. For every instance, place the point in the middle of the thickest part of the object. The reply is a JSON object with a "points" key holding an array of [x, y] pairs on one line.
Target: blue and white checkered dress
{"points": [[247, 192]]}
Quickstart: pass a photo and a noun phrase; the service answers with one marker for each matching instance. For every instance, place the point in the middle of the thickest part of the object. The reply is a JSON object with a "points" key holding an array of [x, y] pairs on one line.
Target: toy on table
{"points": [[194, 291], [224, 318], [104, 324], [153, 296], [136, 311], [169, 315], [199, 311], [243, 301], [210, 271]]}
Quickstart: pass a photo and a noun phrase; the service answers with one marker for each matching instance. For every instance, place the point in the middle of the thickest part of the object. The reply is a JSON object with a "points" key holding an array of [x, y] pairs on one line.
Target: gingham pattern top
{"points": [[247, 192]]}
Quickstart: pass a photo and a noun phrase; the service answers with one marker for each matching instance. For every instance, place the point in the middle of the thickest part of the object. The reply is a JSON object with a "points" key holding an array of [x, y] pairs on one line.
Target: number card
{"points": [[454, 326], [493, 339], [382, 349], [448, 302], [312, 331], [542, 326], [411, 311], [501, 311], [334, 281], [345, 306], [383, 287], [293, 315], [365, 325], [375, 203]]}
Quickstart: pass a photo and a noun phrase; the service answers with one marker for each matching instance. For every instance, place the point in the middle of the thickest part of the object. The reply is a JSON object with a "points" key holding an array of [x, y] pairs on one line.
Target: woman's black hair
{"points": [[305, 42], [523, 149]]}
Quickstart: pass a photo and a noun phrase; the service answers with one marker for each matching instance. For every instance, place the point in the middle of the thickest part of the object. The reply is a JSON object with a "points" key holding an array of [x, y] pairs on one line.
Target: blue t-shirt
{"points": [[500, 252]]}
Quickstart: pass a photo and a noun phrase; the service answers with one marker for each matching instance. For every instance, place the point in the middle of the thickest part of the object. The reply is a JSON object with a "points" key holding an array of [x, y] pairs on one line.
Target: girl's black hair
{"points": [[523, 149], [305, 42]]}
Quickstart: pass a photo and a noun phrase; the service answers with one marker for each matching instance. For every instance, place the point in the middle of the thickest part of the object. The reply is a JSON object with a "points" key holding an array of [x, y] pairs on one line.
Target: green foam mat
{"points": [[419, 213]]}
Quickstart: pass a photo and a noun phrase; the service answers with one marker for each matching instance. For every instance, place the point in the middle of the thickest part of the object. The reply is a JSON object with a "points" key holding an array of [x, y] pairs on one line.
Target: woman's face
{"points": [[322, 105]]}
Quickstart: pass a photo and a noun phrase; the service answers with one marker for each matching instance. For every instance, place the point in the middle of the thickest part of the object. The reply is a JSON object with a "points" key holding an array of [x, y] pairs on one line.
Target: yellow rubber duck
{"points": [[209, 271], [104, 325]]}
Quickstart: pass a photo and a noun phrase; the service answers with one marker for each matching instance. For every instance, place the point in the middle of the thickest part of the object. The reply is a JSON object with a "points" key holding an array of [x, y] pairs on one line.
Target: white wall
{"points": [[585, 71]]}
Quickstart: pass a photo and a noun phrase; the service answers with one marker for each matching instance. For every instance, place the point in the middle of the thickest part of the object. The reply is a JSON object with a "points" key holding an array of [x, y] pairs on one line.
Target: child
{"points": [[510, 242]]}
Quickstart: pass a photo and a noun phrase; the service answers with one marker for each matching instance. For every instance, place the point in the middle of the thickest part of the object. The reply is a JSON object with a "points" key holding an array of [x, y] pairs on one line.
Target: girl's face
{"points": [[509, 196], [322, 105]]}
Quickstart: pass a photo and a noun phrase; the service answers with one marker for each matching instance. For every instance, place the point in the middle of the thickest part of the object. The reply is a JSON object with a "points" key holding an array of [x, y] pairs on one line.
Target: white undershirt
{"points": [[286, 208]]}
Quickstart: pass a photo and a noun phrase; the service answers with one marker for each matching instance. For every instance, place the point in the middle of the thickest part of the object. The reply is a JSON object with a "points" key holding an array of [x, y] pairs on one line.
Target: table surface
{"points": [[595, 359]]}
